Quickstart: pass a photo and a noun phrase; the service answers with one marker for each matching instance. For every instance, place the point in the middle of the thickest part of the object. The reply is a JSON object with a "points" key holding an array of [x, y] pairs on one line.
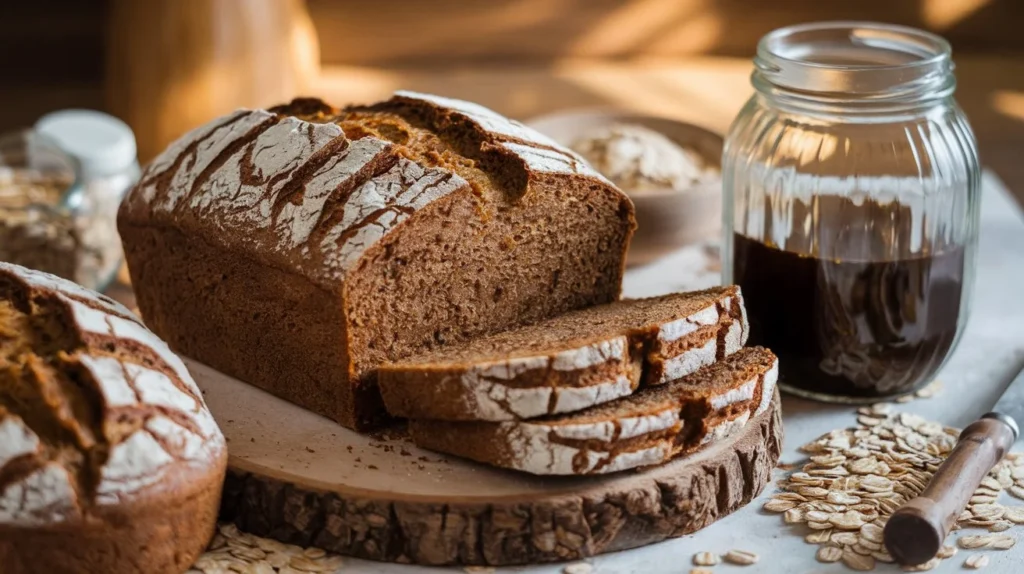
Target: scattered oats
{"points": [[839, 497], [817, 516], [871, 533], [705, 559], [828, 460], [829, 554], [305, 564], [869, 545], [988, 511], [278, 560], [946, 552], [845, 538], [991, 483], [1001, 526], [876, 484], [819, 536], [702, 571], [859, 548], [1004, 475], [864, 466], [793, 516], [977, 541], [905, 399], [249, 553], [869, 421], [849, 520], [741, 557], [1000, 541], [930, 429], [976, 562], [1003, 541], [983, 499], [479, 570], [1017, 473], [923, 567], [1014, 514], [859, 562], [778, 505], [578, 568], [883, 556], [314, 553], [856, 478], [813, 491]]}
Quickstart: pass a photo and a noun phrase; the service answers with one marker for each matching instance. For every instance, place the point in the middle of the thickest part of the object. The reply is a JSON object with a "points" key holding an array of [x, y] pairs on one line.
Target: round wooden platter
{"points": [[302, 479]]}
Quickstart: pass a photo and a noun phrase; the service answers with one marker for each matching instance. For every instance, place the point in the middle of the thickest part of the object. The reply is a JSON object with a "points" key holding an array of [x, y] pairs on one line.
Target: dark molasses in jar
{"points": [[851, 194], [858, 326]]}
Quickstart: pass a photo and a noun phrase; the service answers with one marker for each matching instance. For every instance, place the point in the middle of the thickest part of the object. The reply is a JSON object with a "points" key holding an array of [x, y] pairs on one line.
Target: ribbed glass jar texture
{"points": [[851, 202]]}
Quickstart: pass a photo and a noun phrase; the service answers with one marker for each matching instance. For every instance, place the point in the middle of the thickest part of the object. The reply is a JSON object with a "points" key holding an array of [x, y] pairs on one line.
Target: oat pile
{"points": [[232, 551], [857, 477]]}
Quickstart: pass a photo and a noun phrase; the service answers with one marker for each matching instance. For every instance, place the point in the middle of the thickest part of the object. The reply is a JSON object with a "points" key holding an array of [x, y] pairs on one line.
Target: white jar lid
{"points": [[102, 144]]}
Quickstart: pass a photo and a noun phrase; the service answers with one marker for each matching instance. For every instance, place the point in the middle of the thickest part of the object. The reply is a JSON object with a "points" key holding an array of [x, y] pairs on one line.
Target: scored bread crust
{"points": [[650, 427], [342, 221], [110, 460], [514, 377]]}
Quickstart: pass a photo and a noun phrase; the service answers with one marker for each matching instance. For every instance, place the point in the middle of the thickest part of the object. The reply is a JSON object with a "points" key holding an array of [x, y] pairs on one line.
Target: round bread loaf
{"points": [[109, 459]]}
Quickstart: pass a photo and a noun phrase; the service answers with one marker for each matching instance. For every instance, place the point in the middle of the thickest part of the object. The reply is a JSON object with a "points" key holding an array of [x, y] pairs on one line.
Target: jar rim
{"points": [[855, 58]]}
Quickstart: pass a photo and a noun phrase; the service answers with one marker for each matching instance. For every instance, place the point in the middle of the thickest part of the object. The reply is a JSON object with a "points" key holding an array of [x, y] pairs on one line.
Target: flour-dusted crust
{"points": [[270, 182], [648, 428], [392, 235], [137, 434], [600, 359], [246, 174]]}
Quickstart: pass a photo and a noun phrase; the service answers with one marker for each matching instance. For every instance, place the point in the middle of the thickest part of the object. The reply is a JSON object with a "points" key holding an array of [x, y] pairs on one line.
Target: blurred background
{"points": [[165, 66]]}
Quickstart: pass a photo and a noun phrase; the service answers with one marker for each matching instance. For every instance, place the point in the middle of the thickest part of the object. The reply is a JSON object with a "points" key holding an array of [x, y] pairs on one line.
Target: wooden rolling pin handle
{"points": [[916, 531]]}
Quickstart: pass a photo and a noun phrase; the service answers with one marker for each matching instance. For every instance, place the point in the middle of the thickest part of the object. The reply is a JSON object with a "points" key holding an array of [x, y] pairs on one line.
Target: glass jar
{"points": [[851, 203], [60, 187]]}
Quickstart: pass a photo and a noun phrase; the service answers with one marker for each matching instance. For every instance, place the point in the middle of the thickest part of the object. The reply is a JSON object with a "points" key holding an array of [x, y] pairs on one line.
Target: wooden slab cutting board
{"points": [[303, 479]]}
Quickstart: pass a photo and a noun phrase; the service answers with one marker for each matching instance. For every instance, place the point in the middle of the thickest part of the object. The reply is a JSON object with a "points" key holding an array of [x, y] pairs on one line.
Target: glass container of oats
{"points": [[60, 187]]}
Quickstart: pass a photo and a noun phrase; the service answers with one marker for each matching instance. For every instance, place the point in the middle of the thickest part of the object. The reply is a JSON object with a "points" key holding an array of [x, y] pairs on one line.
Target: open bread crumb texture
{"points": [[429, 270]]}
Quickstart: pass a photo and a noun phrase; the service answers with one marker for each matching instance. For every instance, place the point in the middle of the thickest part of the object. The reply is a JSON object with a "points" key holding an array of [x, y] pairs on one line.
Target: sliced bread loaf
{"points": [[327, 241], [570, 362], [648, 428]]}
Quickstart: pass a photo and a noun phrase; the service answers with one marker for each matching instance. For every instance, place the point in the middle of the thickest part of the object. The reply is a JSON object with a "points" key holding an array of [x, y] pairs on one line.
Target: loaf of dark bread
{"points": [[299, 248], [109, 459], [647, 428], [569, 362]]}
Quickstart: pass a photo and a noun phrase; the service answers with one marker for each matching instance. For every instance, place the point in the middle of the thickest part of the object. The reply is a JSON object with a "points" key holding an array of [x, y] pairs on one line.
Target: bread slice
{"points": [[648, 428], [570, 362]]}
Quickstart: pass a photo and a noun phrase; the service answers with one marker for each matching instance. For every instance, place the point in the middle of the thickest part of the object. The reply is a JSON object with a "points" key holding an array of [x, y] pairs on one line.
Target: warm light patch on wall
{"points": [[694, 35], [645, 24], [359, 85], [944, 14], [1009, 103]]}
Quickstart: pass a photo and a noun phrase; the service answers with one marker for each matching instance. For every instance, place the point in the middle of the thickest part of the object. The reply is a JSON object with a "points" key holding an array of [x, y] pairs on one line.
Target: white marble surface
{"points": [[990, 353]]}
